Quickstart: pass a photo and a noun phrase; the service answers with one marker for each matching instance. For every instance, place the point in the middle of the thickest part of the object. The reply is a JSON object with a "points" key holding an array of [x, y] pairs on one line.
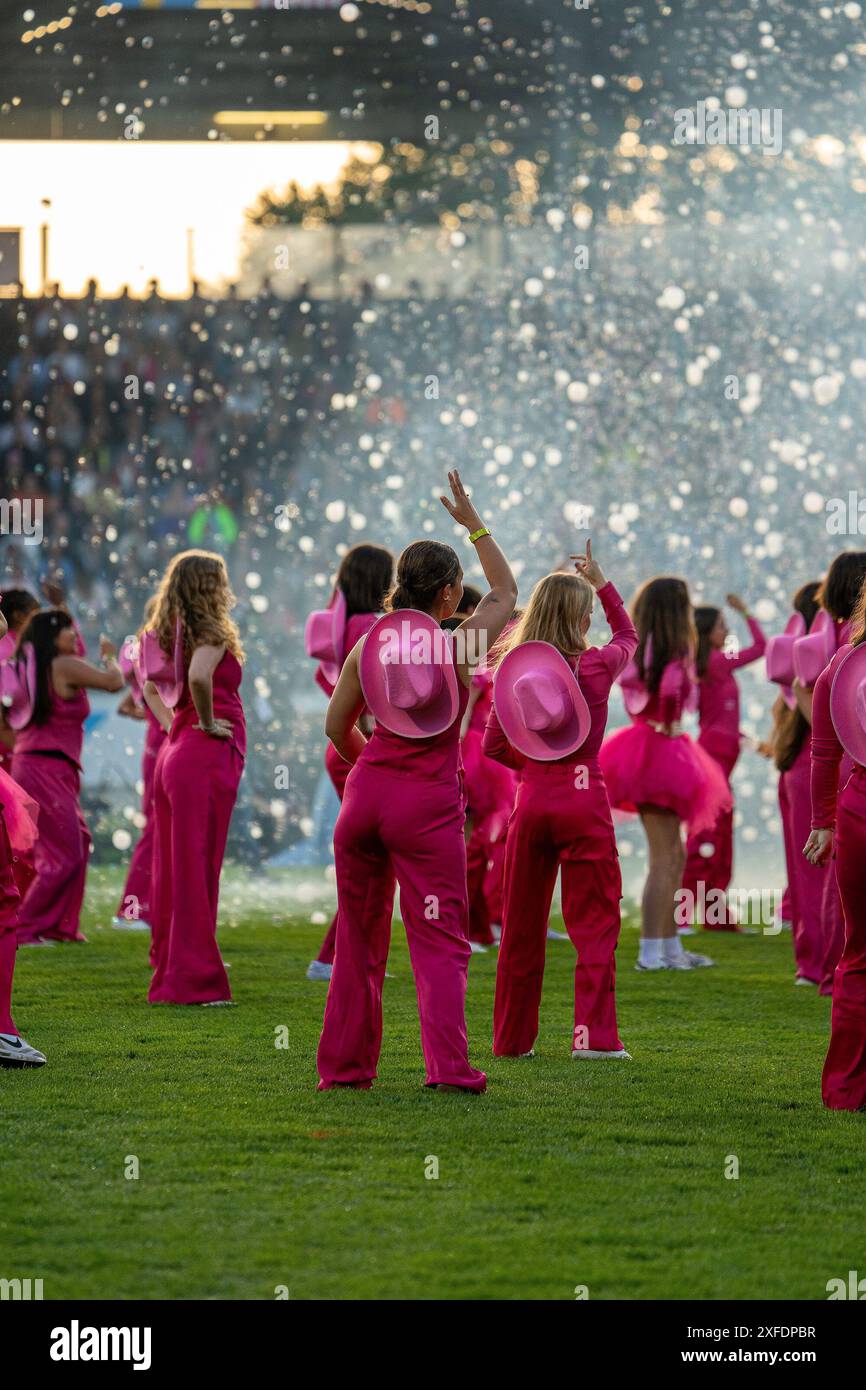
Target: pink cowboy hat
{"points": [[128, 662], [848, 703], [324, 635], [408, 675], [539, 703], [166, 672], [814, 652], [18, 687], [779, 656]]}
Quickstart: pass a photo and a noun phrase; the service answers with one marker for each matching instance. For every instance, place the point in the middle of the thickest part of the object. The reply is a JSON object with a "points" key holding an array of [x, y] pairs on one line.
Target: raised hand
{"points": [[589, 568], [734, 601], [460, 507]]}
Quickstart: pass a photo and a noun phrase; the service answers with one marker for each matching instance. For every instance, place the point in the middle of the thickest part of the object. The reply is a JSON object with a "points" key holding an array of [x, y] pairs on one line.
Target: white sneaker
{"points": [[687, 931], [17, 1052], [801, 980], [590, 1052], [557, 935], [696, 961], [496, 931], [124, 924], [318, 970], [38, 941], [477, 949], [659, 965], [218, 1004]]}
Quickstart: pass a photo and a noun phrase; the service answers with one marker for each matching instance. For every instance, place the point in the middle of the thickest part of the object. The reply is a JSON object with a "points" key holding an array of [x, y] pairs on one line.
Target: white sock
{"points": [[650, 952], [672, 949]]}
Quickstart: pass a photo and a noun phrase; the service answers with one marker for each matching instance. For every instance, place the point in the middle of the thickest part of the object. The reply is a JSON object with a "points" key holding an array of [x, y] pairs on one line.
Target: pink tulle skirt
{"points": [[643, 767], [18, 833]]}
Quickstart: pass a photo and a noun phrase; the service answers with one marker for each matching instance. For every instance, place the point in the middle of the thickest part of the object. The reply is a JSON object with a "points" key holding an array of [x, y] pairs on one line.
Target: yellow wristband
{"points": [[476, 535]]}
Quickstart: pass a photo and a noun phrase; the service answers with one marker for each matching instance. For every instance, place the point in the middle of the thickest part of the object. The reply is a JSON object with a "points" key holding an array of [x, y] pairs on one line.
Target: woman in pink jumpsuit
{"points": [[838, 596], [402, 817], [839, 823], [792, 754], [133, 912], [196, 778], [47, 764], [719, 714], [562, 820], [654, 768], [18, 832], [364, 578]]}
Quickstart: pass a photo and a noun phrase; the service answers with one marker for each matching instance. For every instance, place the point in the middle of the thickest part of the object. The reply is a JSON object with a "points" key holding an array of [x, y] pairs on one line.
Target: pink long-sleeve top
{"points": [[831, 765], [719, 694], [596, 669]]}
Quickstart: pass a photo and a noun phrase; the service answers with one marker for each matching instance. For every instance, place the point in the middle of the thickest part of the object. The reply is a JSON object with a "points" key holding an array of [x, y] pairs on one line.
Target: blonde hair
{"points": [[196, 589], [556, 609]]}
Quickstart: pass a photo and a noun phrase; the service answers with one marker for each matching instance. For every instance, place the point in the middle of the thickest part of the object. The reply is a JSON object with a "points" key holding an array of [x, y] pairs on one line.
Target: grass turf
{"points": [[565, 1174]]}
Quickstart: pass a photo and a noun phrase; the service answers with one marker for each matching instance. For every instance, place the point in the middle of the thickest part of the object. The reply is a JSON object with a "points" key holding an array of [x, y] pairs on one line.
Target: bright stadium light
{"points": [[259, 118]]}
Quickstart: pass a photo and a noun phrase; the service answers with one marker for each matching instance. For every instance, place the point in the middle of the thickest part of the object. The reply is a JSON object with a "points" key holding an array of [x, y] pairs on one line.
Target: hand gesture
{"points": [[107, 649], [734, 601], [220, 728], [589, 568], [461, 508], [819, 846]]}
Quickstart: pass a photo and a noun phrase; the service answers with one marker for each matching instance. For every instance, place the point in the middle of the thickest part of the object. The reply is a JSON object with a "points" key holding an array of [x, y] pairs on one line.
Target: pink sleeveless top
{"points": [[62, 732], [435, 759], [227, 703]]}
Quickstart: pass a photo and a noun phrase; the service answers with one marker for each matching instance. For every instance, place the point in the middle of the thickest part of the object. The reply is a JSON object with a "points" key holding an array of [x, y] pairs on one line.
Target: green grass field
{"points": [[605, 1175]]}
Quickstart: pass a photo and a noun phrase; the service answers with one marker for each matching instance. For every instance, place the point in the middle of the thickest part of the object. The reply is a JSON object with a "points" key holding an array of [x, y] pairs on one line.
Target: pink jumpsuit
{"points": [[402, 816], [46, 763], [337, 768], [719, 712], [806, 881], [562, 819], [195, 787], [135, 899], [843, 1083]]}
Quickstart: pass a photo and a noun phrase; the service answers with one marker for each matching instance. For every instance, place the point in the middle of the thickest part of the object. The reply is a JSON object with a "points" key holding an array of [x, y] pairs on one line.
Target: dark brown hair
{"points": [[705, 620], [841, 589], [41, 630], [365, 576], [661, 611], [423, 569]]}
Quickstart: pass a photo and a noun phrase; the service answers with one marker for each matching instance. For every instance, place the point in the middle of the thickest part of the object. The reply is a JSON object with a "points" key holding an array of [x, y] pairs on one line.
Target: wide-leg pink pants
{"points": [[135, 899], [195, 788], [412, 829], [558, 825], [52, 905], [338, 770], [806, 882], [843, 1084]]}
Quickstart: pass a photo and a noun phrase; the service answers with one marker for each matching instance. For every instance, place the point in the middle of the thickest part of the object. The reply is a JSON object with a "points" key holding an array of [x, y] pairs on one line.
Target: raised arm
{"points": [[71, 673], [756, 650], [345, 708], [497, 606], [623, 643]]}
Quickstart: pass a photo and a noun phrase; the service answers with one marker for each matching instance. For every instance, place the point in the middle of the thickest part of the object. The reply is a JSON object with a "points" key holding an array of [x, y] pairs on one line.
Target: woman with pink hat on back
{"points": [[403, 809], [839, 831], [550, 698], [365, 575], [838, 597]]}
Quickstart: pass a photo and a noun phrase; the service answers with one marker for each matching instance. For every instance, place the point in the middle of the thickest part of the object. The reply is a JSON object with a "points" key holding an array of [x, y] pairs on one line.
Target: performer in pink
{"points": [[710, 854], [490, 791], [838, 597], [16, 605], [18, 832], [363, 580], [403, 811], [839, 825], [190, 660], [49, 720], [133, 913], [652, 767], [791, 750], [550, 709]]}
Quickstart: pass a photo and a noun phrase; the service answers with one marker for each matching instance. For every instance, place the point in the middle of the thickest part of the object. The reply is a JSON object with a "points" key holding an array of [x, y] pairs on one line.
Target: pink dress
{"points": [[47, 765], [195, 787], [18, 833], [644, 766]]}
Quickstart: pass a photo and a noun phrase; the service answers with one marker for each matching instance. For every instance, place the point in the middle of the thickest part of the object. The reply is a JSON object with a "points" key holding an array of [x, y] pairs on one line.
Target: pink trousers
{"points": [[391, 826], [135, 900], [806, 882], [558, 825], [843, 1084], [195, 788], [52, 906], [338, 770], [714, 869], [10, 900]]}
